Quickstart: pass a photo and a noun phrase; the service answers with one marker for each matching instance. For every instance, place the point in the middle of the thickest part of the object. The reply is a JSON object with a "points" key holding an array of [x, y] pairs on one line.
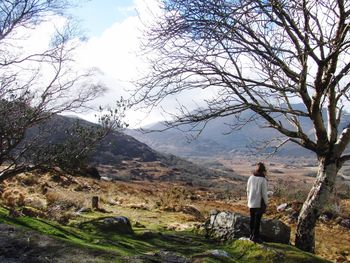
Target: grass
{"points": [[246, 251], [145, 243]]}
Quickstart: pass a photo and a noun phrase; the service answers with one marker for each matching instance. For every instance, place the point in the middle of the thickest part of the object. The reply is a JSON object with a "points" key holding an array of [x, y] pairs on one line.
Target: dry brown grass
{"points": [[145, 200], [64, 200], [13, 197]]}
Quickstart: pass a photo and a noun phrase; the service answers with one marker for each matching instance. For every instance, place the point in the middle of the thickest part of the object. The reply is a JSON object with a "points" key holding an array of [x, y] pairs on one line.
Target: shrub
{"points": [[332, 206], [175, 196], [290, 192], [13, 197], [35, 202], [61, 207], [64, 201], [297, 194]]}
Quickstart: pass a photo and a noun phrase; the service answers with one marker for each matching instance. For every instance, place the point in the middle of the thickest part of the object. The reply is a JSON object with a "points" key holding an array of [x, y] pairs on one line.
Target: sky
{"points": [[113, 29], [95, 16]]}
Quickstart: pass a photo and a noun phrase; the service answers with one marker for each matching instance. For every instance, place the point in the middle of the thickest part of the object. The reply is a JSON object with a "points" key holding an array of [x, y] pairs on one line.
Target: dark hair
{"points": [[260, 170]]}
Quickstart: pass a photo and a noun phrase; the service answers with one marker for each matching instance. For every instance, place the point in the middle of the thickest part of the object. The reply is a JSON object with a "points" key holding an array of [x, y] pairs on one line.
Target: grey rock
{"points": [[119, 224], [275, 231], [324, 218], [220, 253], [229, 225], [171, 257], [345, 223]]}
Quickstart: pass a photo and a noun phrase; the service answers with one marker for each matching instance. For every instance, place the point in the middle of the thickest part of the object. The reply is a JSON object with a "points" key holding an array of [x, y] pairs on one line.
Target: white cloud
{"points": [[113, 52], [116, 53]]}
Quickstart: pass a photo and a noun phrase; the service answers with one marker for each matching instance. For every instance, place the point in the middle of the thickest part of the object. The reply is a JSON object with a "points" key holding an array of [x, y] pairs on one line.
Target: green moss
{"points": [[246, 251], [144, 242]]}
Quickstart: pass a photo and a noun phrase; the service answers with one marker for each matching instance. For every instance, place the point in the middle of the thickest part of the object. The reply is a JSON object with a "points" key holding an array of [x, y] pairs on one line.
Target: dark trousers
{"points": [[255, 219]]}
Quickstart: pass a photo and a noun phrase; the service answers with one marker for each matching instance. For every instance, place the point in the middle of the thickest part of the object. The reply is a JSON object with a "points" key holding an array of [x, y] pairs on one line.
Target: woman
{"points": [[257, 200]]}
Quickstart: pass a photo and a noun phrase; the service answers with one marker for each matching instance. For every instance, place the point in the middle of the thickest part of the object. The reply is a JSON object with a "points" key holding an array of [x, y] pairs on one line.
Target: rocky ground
{"points": [[152, 205]]}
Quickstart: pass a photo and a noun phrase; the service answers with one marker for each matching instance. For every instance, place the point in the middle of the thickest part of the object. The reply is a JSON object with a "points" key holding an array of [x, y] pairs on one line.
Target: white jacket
{"points": [[256, 189]]}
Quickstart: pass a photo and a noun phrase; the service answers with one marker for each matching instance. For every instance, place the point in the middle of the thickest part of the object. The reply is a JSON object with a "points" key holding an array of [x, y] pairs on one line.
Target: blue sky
{"points": [[97, 15], [114, 29]]}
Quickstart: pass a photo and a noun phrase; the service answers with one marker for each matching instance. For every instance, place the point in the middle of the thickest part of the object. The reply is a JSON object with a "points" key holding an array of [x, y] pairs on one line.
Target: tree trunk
{"points": [[312, 208]]}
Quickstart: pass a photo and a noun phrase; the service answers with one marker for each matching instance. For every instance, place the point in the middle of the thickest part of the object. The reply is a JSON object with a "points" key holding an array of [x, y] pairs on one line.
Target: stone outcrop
{"points": [[229, 225], [112, 224], [119, 224]]}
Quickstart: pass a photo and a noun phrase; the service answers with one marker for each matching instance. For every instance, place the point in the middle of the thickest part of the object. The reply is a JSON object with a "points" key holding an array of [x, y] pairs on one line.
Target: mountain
{"points": [[115, 147], [121, 157], [219, 138]]}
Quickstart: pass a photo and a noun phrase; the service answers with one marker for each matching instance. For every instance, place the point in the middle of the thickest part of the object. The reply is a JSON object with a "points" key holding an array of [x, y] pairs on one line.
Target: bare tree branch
{"points": [[37, 85]]}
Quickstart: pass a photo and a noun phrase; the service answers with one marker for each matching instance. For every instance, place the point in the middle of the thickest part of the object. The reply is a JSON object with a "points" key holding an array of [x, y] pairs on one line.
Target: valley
{"points": [[166, 198], [157, 199]]}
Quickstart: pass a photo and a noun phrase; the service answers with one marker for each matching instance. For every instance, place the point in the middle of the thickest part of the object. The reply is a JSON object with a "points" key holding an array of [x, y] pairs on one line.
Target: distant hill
{"points": [[218, 138], [118, 147], [114, 148]]}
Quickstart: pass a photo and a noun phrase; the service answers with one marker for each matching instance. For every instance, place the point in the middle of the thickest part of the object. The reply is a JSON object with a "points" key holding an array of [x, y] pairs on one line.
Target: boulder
{"points": [[170, 257], [229, 225], [221, 255], [118, 224]]}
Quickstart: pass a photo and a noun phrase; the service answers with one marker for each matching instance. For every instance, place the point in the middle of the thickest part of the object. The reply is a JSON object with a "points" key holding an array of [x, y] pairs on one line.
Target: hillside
{"points": [[115, 147], [167, 199], [55, 221], [121, 157]]}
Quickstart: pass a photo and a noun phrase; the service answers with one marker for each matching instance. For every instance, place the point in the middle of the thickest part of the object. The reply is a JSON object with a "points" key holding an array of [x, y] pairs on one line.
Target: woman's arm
{"points": [[248, 187], [264, 192]]}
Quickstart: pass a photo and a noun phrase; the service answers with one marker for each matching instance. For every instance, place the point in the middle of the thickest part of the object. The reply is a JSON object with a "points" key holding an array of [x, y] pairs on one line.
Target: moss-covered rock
{"points": [[112, 224]]}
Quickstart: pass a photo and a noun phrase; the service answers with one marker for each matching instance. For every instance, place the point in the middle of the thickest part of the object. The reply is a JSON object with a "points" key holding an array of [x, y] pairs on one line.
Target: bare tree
{"points": [[36, 83], [261, 56]]}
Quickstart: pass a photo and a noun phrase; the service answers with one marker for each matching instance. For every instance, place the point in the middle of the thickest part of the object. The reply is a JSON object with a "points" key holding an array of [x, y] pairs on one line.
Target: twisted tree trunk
{"points": [[312, 208]]}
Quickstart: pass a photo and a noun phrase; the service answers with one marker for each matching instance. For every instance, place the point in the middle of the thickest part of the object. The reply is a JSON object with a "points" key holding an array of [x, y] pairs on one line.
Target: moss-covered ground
{"points": [[155, 245]]}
